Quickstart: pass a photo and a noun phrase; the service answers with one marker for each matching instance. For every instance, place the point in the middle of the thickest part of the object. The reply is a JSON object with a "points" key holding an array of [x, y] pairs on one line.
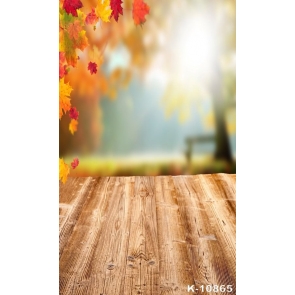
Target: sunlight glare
{"points": [[193, 50]]}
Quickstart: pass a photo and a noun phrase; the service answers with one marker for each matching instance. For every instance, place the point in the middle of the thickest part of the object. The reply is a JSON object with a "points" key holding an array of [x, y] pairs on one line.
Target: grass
{"points": [[94, 166]]}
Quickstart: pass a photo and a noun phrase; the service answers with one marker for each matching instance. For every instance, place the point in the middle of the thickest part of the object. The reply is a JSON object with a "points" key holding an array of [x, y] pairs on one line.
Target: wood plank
{"points": [[222, 206], [77, 256], [175, 269], [207, 256], [109, 259], [142, 274], [72, 198], [226, 183]]}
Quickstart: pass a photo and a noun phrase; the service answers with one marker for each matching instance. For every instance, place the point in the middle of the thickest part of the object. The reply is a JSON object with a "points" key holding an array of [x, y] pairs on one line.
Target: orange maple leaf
{"points": [[74, 29], [64, 170], [73, 126], [82, 42], [139, 11], [62, 65]]}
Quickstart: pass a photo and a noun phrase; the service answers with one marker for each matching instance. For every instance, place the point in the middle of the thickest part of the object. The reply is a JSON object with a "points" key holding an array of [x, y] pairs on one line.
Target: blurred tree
{"points": [[222, 149], [217, 15], [221, 83]]}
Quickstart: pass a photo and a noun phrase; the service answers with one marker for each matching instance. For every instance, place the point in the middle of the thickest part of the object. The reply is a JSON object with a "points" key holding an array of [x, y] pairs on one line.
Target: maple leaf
{"points": [[64, 170], [74, 114], [103, 10], [91, 18], [92, 67], [95, 55], [116, 9], [82, 41], [62, 58], [71, 35], [139, 11], [74, 29], [71, 6], [62, 65], [69, 49], [73, 126], [75, 163], [63, 70], [64, 97]]}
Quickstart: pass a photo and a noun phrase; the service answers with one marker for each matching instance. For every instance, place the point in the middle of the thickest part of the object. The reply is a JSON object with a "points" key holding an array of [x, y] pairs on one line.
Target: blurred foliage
{"points": [[143, 44]]}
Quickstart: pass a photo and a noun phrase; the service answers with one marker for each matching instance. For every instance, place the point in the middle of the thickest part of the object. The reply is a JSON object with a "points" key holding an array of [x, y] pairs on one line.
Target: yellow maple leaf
{"points": [[61, 40], [64, 170], [103, 10], [64, 97], [73, 126]]}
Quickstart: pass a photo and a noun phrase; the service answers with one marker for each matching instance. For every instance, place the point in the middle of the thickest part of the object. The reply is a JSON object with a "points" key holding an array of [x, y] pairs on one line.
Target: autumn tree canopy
{"points": [[81, 51]]}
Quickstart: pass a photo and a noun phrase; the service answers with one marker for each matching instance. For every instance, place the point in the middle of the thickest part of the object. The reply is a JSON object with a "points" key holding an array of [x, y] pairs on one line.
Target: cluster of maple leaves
{"points": [[72, 36]]}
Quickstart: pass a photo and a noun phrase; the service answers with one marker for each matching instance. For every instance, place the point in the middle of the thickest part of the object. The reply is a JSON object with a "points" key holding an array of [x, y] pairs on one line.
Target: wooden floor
{"points": [[148, 235]]}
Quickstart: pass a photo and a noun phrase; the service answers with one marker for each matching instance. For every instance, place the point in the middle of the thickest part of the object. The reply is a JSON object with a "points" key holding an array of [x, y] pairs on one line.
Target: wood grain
{"points": [[175, 268], [147, 235]]}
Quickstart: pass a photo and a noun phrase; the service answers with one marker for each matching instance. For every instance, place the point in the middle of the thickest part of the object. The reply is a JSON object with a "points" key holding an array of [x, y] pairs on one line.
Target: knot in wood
{"points": [[111, 266], [130, 258]]}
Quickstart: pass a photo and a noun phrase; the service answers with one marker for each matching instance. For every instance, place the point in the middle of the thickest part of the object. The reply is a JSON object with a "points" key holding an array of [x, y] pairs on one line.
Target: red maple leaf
{"points": [[75, 163], [92, 67], [71, 6], [116, 9], [74, 114], [139, 11], [91, 18]]}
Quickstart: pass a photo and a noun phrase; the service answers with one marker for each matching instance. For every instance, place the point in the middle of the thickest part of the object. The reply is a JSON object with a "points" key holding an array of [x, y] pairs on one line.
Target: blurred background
{"points": [[163, 101]]}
